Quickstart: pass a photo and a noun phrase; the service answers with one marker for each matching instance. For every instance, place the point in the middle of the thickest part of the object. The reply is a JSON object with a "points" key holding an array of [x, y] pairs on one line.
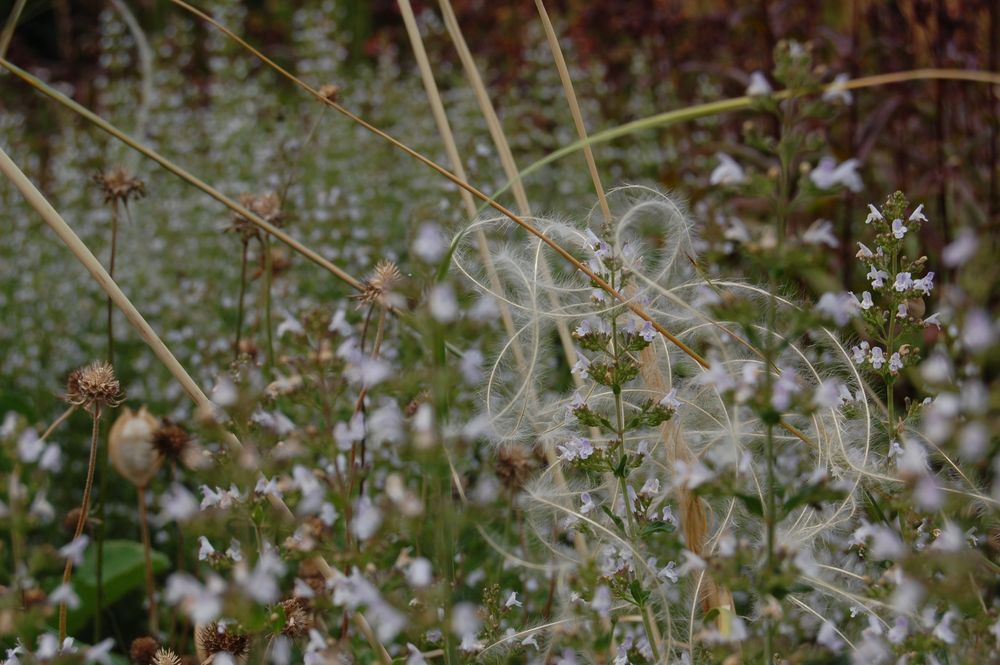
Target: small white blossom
{"points": [[898, 228], [759, 85], [728, 172]]}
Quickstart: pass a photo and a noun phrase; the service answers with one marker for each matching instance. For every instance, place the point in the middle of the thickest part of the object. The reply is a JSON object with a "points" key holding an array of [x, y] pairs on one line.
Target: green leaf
{"points": [[753, 503], [124, 571]]}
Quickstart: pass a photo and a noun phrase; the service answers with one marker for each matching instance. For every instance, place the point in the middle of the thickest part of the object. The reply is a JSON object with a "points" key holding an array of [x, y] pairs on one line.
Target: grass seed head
{"points": [[94, 386], [120, 186]]}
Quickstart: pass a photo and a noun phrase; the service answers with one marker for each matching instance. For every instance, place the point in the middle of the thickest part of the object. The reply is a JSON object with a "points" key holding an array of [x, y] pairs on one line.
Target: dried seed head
{"points": [[119, 185], [514, 466], [71, 519], [165, 657], [171, 440], [131, 449], [377, 288], [266, 206], [211, 638], [143, 650], [94, 386], [330, 92], [298, 618], [280, 263]]}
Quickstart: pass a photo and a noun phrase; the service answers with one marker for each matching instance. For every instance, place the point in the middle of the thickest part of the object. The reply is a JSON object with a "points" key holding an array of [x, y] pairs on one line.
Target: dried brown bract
{"points": [[330, 92], [94, 387], [120, 186], [171, 440]]}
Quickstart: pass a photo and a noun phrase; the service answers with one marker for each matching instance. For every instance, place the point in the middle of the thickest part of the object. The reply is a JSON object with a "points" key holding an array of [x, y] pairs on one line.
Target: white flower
{"points": [[64, 594], [828, 174], [877, 358], [367, 518], [419, 572], [586, 503], [925, 284], [829, 638], [759, 85], [602, 600], [178, 504], [669, 572], [840, 307], [877, 277], [903, 282], [512, 601], [100, 652], [830, 394], [837, 91], [581, 367], [895, 363], [575, 448], [898, 228], [728, 172], [648, 332], [820, 232], [202, 603], [443, 305], [873, 214], [961, 249], [205, 550], [860, 352], [864, 252], [866, 300], [918, 214], [943, 630], [670, 400], [74, 549], [583, 328], [430, 243], [902, 311]]}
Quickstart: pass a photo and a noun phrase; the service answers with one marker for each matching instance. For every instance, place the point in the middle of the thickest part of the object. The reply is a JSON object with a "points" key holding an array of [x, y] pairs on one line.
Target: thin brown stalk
{"points": [[503, 210], [10, 26], [82, 520], [148, 561]]}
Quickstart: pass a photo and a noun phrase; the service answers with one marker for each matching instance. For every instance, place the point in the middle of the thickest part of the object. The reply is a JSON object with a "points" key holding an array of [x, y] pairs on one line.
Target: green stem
{"points": [[242, 298]]}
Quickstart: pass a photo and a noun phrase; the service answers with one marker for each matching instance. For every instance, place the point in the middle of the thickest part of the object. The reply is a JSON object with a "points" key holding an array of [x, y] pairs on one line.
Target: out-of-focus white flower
{"points": [[442, 302], [759, 85], [177, 504], [961, 249], [430, 243], [840, 307], [837, 91], [728, 172], [64, 594], [419, 573], [100, 652], [367, 518], [202, 603], [829, 174], [74, 549], [820, 232], [669, 572]]}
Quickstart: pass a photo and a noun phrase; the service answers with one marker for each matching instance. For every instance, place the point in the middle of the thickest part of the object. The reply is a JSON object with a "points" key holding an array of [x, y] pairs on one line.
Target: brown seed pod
{"points": [[143, 650], [131, 449], [213, 638]]}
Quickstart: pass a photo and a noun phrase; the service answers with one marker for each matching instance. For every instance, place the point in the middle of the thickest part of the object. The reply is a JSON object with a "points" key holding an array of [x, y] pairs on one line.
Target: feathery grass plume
{"points": [[705, 464]]}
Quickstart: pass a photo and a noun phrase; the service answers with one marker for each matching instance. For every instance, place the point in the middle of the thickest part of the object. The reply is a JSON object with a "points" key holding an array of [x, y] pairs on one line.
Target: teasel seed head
{"points": [[119, 185], [212, 638], [377, 288], [266, 206], [143, 650], [165, 657], [298, 618], [171, 440], [93, 387], [131, 449]]}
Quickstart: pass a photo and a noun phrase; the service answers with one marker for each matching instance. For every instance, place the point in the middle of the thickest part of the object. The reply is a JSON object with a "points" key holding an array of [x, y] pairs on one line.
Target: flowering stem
{"points": [[82, 520]]}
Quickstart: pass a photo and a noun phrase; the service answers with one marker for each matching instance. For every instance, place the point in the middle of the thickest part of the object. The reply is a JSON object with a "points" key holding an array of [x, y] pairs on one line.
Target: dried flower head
{"points": [[266, 206], [298, 619], [171, 440], [131, 449], [211, 638], [330, 92], [377, 288], [165, 657], [144, 650], [94, 386], [280, 263], [119, 185], [71, 519], [514, 466]]}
